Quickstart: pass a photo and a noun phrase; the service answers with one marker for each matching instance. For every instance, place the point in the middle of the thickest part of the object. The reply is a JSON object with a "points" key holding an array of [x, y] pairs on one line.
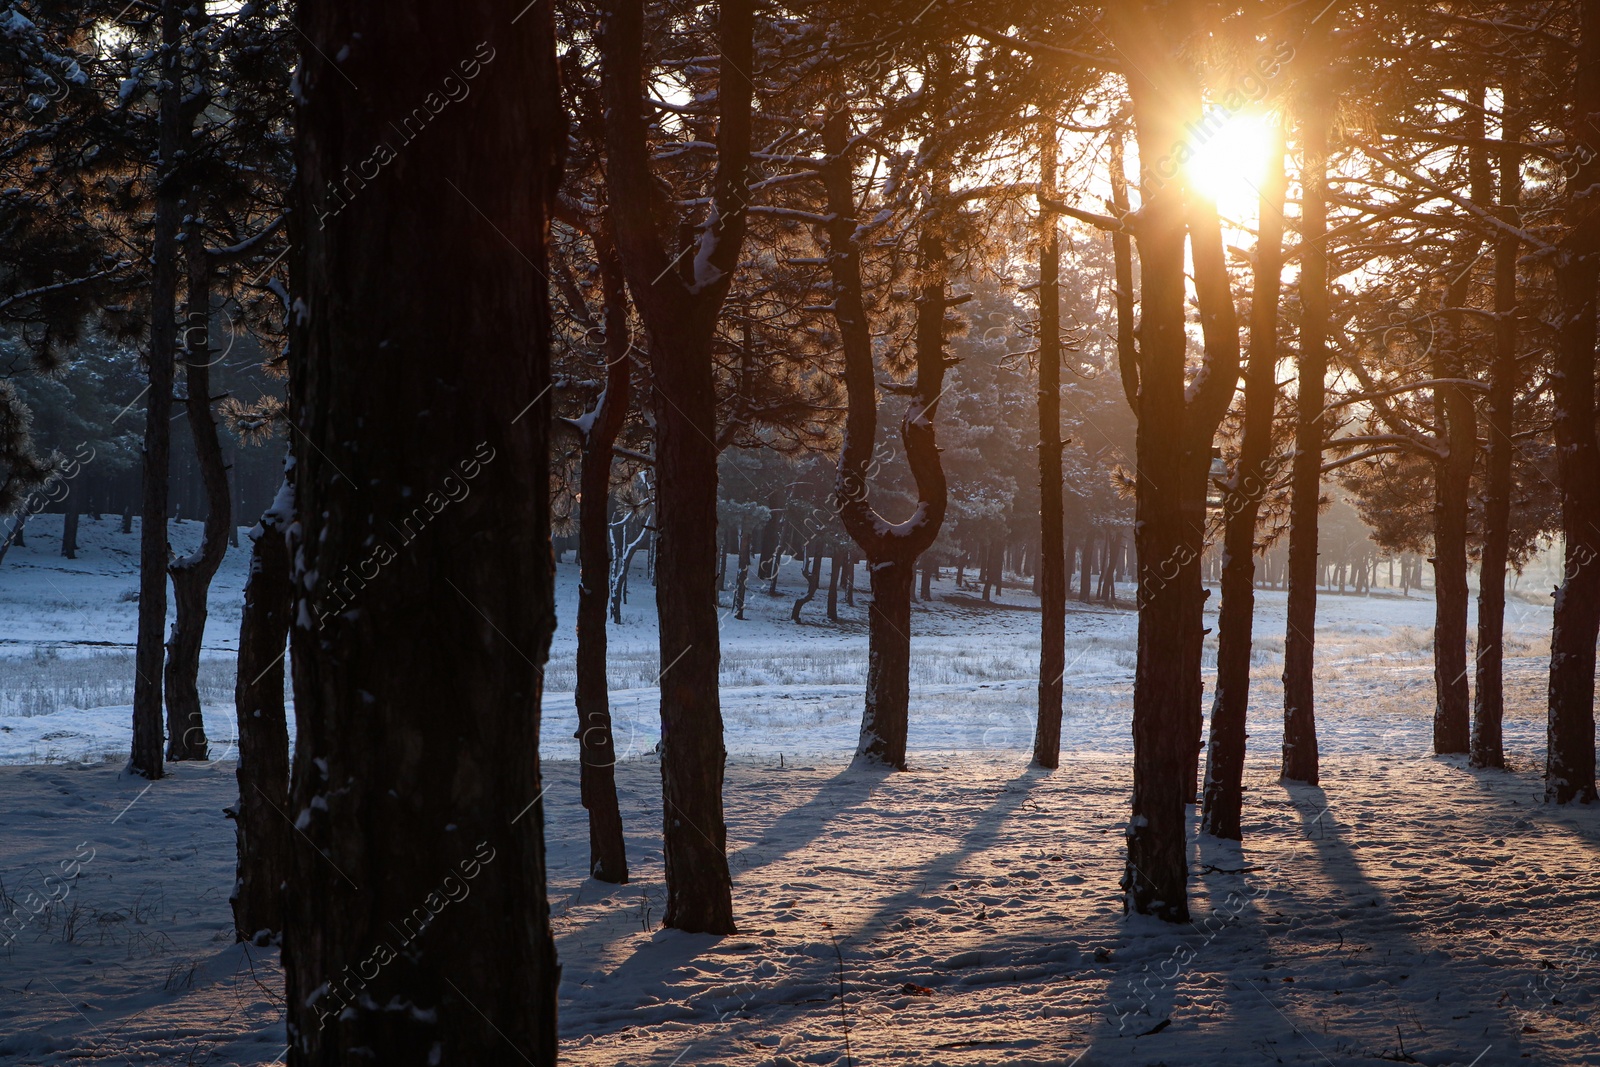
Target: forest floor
{"points": [[964, 912]]}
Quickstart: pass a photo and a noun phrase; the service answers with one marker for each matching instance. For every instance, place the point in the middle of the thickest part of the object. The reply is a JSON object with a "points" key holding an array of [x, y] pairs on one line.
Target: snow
{"points": [[969, 910]]}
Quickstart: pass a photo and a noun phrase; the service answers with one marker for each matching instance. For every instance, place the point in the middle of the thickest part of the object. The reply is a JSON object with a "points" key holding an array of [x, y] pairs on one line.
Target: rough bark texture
{"points": [[680, 316], [192, 574], [597, 749], [262, 829], [1223, 798], [1569, 766], [422, 573], [146, 757], [1052, 537], [891, 549], [1488, 696], [1300, 762]]}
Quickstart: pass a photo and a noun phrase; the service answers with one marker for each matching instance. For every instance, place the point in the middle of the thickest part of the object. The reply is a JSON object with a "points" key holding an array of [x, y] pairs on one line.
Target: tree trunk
{"points": [[886, 720], [127, 520], [680, 316], [69, 531], [1570, 759], [834, 568], [1488, 697], [1456, 416], [1223, 800], [1155, 880], [597, 750], [1052, 537], [1085, 563], [418, 657], [146, 756], [813, 573], [741, 587], [1300, 763], [262, 829], [891, 548], [192, 574]]}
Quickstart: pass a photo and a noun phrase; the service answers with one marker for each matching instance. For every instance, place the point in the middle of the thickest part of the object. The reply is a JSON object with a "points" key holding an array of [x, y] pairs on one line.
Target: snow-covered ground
{"points": [[965, 912]]}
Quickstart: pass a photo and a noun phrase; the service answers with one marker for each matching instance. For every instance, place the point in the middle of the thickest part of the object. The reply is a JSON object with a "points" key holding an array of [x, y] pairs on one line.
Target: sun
{"points": [[1228, 163]]}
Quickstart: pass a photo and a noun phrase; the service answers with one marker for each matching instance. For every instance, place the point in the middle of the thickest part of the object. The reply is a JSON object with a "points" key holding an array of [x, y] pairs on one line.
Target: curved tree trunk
{"points": [[192, 574], [263, 832], [1223, 799], [1052, 549], [1300, 763], [416, 776], [597, 750], [891, 549]]}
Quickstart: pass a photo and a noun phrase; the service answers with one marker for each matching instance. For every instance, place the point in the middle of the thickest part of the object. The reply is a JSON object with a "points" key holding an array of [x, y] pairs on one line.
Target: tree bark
{"points": [[1488, 697], [1300, 763], [680, 299], [192, 574], [146, 756], [1223, 799], [262, 830], [423, 573]]}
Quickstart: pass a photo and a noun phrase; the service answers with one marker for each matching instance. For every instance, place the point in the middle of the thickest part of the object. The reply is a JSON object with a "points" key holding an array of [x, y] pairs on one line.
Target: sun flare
{"points": [[1227, 166]]}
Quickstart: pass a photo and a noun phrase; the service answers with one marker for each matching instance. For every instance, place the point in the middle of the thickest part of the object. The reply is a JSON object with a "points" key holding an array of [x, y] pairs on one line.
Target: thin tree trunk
{"points": [[597, 750], [192, 574], [69, 531], [813, 573], [834, 568], [741, 586], [146, 756], [1085, 562], [1224, 798], [1052, 549], [416, 766], [1488, 697], [262, 832], [1455, 414], [1300, 761]]}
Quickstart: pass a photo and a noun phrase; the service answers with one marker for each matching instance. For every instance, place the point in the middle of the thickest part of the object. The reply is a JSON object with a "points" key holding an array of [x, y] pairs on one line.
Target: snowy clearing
{"points": [[1410, 910]]}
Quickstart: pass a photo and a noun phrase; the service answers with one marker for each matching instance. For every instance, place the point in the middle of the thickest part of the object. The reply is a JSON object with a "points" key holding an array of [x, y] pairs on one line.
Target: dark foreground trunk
{"points": [[192, 574], [416, 927], [1569, 766], [262, 828]]}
